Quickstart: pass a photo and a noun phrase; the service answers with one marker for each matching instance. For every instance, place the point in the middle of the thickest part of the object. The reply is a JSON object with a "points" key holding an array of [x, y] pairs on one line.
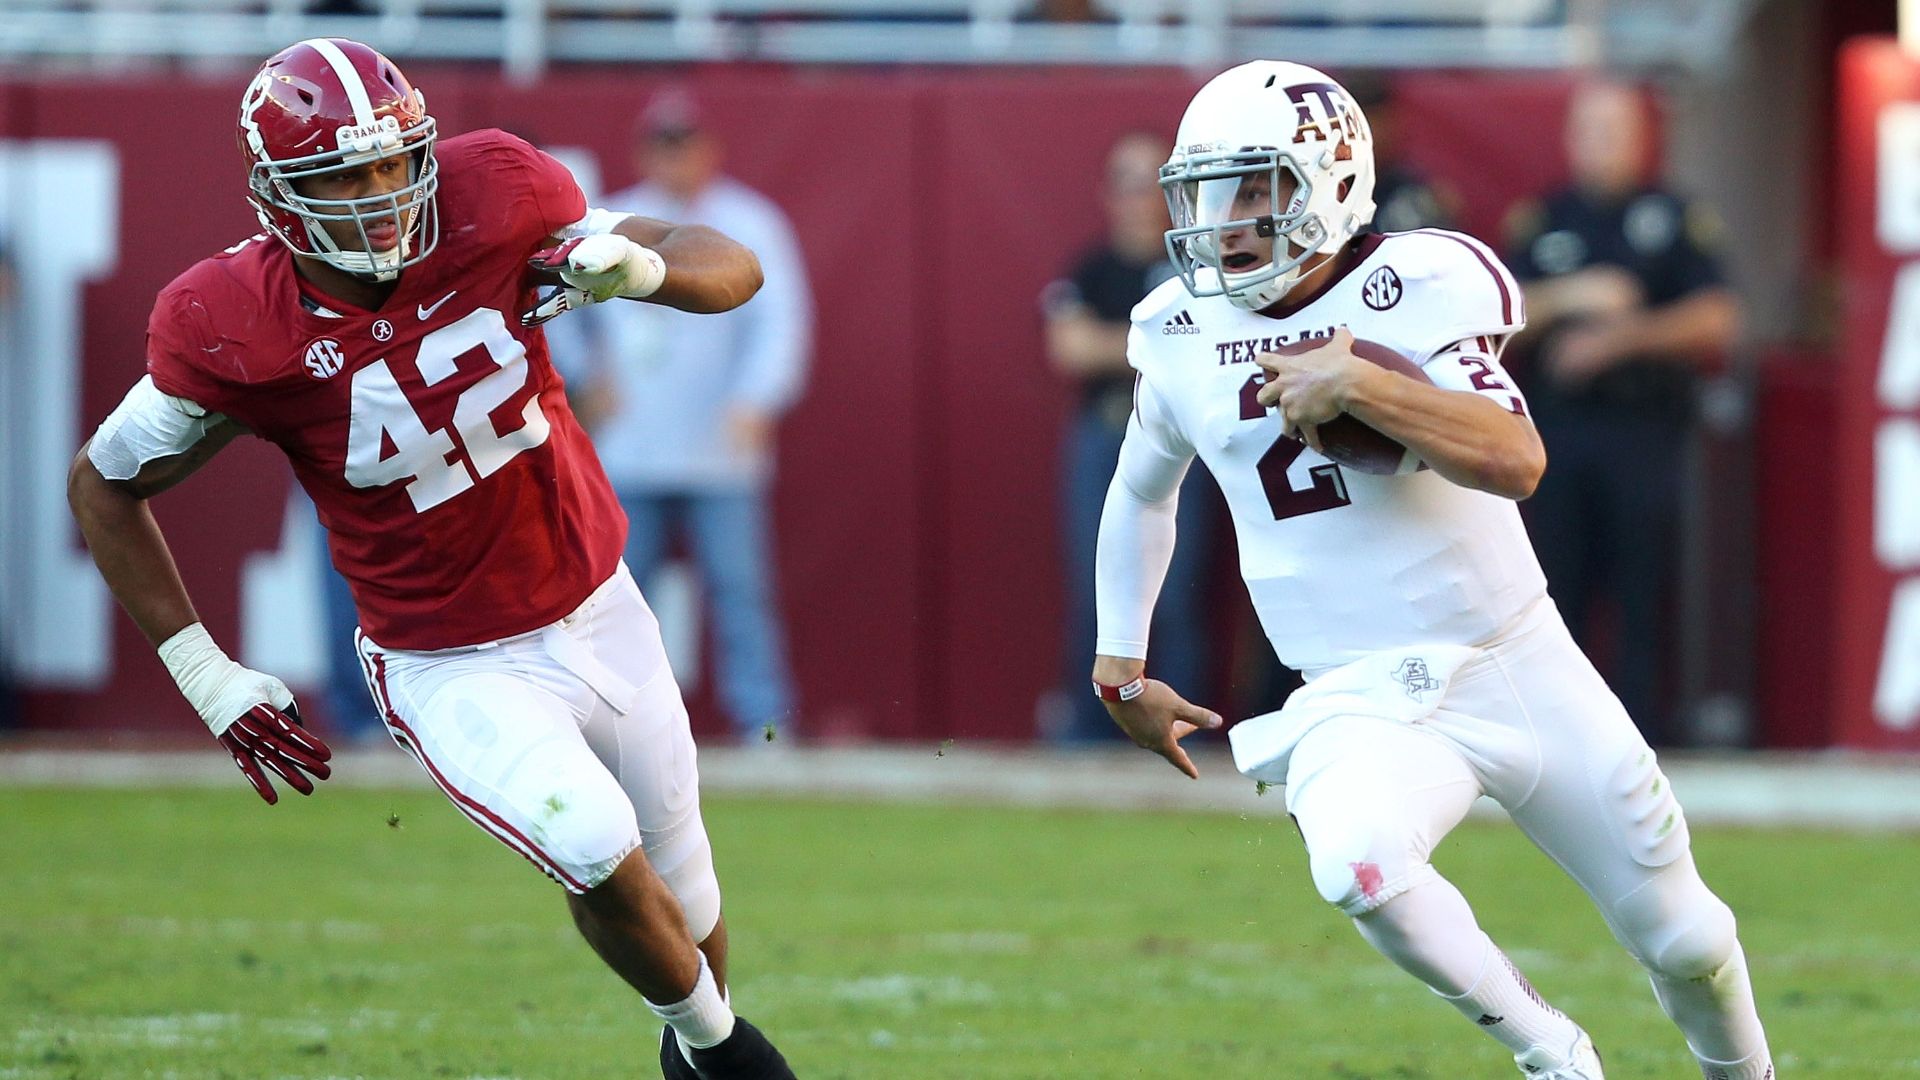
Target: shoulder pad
{"points": [[1456, 288], [1164, 300]]}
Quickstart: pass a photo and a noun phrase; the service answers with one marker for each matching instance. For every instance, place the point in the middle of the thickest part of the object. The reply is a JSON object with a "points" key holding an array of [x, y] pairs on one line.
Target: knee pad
{"points": [[1676, 927], [683, 857], [1701, 947], [1359, 865], [584, 824]]}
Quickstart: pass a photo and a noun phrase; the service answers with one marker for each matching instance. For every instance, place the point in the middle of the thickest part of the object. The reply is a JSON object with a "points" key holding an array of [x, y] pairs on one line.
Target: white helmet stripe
{"points": [[349, 78]]}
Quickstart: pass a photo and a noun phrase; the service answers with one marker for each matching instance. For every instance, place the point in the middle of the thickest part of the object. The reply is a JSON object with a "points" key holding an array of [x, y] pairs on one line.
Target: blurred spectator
{"points": [[1405, 197], [1625, 304], [1068, 11], [7, 707], [1087, 318], [691, 404]]}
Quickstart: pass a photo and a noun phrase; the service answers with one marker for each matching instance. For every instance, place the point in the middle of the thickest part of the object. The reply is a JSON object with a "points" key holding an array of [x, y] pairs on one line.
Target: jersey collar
{"points": [[1362, 247]]}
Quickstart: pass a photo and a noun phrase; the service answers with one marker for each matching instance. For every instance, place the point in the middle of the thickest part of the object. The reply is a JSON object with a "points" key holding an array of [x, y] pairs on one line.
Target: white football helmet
{"points": [[1280, 126]]}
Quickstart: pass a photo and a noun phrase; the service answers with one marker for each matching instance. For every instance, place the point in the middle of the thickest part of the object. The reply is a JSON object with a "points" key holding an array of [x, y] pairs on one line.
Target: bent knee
{"points": [[1701, 947], [1364, 868], [586, 826]]}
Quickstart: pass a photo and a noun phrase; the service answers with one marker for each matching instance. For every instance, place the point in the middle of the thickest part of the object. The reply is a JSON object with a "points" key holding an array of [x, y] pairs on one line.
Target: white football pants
{"points": [[1530, 723], [569, 744]]}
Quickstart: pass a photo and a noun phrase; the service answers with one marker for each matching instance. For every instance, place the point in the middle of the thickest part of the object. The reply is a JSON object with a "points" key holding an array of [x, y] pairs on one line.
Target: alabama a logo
{"points": [[1382, 289], [1412, 674], [324, 358]]}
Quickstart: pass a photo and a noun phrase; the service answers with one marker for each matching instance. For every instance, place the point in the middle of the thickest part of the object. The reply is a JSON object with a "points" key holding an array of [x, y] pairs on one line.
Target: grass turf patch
{"points": [[197, 934]]}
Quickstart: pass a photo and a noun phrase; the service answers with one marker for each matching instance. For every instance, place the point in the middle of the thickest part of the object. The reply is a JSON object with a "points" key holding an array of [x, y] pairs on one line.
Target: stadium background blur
{"points": [[940, 160]]}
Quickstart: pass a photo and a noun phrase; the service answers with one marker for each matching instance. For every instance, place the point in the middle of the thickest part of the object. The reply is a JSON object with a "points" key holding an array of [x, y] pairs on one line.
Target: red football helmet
{"points": [[324, 105]]}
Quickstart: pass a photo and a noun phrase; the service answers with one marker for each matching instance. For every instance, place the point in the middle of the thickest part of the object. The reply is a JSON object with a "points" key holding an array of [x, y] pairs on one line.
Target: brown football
{"points": [[1345, 438]]}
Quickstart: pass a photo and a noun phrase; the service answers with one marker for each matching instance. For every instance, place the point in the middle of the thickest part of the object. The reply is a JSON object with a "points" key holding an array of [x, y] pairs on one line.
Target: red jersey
{"points": [[461, 499]]}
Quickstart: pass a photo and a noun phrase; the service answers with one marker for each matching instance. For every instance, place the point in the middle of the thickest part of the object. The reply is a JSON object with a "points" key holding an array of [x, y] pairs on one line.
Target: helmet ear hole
{"points": [[1346, 187]]}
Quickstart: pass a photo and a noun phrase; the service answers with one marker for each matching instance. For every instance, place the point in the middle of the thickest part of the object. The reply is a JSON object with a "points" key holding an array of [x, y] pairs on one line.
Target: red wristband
{"points": [[1126, 691]]}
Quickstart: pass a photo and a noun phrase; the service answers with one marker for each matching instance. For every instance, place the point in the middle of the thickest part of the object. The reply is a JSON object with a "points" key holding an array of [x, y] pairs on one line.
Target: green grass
{"points": [[200, 935]]}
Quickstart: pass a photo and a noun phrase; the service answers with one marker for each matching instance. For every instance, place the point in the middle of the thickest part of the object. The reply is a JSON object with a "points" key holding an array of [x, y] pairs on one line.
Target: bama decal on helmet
{"points": [[1338, 119], [382, 134]]}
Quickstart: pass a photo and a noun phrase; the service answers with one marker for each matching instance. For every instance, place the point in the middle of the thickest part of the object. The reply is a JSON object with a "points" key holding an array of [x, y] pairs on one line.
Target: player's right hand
{"points": [[265, 739], [1159, 718], [250, 712]]}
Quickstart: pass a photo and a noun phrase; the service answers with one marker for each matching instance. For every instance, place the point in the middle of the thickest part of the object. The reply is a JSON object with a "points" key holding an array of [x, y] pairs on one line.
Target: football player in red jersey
{"points": [[383, 332]]}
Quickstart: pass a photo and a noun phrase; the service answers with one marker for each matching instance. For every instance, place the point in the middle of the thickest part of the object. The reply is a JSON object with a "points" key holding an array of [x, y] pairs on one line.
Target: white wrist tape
{"points": [[646, 271], [219, 689], [607, 265]]}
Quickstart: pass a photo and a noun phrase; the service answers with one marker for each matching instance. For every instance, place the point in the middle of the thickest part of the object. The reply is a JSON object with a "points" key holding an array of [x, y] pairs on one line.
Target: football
{"points": [[1349, 441]]}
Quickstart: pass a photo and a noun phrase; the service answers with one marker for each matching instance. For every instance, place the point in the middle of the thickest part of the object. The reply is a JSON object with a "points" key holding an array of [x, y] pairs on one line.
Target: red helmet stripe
{"points": [[349, 77]]}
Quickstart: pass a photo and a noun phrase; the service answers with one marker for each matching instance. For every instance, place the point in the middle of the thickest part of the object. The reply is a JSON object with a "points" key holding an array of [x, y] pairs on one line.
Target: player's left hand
{"points": [[1310, 387], [1159, 718]]}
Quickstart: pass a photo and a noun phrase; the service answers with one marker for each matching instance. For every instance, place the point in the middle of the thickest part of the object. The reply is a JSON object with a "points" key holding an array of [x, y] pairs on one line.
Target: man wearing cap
{"points": [[687, 438]]}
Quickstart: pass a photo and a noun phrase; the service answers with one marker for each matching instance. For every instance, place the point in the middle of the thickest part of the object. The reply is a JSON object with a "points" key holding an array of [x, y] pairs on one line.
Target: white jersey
{"points": [[1341, 564]]}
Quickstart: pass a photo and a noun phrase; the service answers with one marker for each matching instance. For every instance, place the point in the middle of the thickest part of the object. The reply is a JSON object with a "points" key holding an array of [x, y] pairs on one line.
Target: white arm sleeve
{"points": [[148, 425], [1137, 527]]}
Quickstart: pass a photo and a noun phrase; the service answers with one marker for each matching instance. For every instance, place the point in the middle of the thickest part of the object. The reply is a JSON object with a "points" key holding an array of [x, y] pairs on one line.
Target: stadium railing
{"points": [[527, 35]]}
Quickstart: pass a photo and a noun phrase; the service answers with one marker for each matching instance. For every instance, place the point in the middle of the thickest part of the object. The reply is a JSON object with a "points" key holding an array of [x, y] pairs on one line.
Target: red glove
{"points": [[266, 736]]}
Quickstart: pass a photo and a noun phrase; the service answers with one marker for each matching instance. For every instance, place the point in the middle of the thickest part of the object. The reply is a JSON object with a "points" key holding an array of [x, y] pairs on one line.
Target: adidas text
{"points": [[1180, 324]]}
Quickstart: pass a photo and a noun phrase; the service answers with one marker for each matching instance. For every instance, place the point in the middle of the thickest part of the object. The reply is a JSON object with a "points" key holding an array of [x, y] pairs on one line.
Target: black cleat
{"points": [[673, 1066], [746, 1055]]}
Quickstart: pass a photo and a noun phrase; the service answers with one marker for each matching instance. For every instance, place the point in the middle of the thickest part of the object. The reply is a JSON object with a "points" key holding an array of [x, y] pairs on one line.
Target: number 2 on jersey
{"points": [[1329, 487], [383, 420]]}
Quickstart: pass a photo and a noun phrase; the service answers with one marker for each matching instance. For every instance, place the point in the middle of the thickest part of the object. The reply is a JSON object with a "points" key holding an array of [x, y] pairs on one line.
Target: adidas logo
{"points": [[1488, 1020], [1180, 324]]}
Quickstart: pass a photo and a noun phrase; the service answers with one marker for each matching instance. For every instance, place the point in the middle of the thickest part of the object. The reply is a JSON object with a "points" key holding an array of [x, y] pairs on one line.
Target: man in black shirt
{"points": [[1625, 305], [1087, 319]]}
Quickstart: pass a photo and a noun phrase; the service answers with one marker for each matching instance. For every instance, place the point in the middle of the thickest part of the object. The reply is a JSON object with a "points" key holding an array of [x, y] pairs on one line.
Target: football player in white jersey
{"points": [[1437, 668]]}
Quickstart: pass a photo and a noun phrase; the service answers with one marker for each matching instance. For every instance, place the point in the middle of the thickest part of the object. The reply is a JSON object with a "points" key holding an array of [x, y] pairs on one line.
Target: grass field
{"points": [[199, 935]]}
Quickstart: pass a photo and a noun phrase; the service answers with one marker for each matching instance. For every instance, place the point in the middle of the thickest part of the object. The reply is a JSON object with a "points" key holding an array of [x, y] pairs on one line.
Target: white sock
{"points": [[703, 1018], [1508, 1008], [1757, 1067], [1429, 931]]}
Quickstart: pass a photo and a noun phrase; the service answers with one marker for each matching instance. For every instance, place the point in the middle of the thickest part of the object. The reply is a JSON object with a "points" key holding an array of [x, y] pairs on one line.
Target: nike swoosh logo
{"points": [[424, 311]]}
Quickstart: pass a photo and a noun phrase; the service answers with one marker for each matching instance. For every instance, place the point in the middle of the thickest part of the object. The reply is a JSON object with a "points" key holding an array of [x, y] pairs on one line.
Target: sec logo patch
{"points": [[1382, 289], [324, 358]]}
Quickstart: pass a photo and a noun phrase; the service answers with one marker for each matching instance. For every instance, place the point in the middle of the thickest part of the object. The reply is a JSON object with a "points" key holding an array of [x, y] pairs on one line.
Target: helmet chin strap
{"points": [[1264, 293]]}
